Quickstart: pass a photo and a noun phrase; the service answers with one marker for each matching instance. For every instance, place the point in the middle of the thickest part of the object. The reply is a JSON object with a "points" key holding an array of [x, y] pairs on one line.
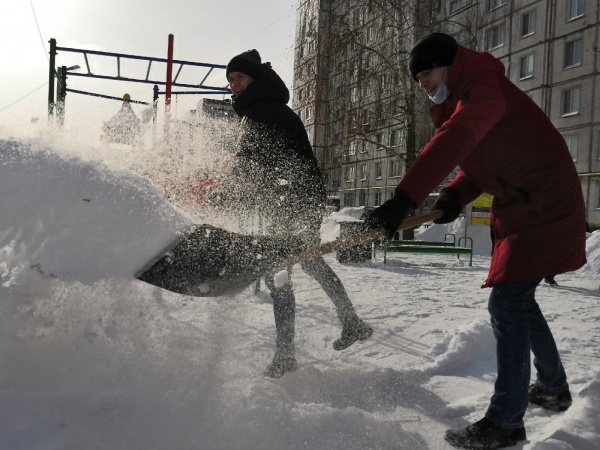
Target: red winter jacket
{"points": [[505, 146]]}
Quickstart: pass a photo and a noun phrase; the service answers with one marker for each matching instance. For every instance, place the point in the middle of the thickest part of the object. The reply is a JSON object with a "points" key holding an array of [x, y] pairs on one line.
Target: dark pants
{"points": [[520, 328], [284, 302]]}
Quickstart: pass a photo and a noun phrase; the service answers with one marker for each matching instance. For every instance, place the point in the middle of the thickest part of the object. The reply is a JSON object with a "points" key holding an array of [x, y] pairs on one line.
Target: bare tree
{"points": [[363, 96]]}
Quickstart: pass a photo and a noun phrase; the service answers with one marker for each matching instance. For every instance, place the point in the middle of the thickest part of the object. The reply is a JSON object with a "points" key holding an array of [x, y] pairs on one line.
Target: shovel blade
{"points": [[210, 262]]}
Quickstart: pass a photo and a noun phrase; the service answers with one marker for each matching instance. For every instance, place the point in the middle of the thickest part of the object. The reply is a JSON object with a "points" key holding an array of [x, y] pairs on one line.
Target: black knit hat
{"points": [[247, 62], [434, 50]]}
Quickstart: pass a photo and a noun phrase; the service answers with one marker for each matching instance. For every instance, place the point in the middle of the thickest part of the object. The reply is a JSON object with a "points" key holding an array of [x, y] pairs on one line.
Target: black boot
{"points": [[485, 435], [282, 364], [554, 401], [355, 330]]}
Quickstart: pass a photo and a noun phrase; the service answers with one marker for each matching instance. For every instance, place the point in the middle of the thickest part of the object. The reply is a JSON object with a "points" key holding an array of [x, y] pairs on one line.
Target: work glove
{"points": [[449, 202], [390, 215]]}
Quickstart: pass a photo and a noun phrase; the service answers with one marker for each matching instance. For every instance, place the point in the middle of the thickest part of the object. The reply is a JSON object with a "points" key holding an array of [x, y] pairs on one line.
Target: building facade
{"points": [[367, 122]]}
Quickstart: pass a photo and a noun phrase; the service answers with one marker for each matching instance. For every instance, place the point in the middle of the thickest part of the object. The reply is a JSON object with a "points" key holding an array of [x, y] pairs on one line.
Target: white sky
{"points": [[204, 31]]}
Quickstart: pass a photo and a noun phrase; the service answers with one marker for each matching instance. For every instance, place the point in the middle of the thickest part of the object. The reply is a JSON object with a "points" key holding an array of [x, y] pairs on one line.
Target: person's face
{"points": [[238, 82], [429, 80]]}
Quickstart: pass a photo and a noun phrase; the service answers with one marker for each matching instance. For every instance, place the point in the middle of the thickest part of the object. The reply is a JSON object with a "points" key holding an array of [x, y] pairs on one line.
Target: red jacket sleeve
{"points": [[467, 190]]}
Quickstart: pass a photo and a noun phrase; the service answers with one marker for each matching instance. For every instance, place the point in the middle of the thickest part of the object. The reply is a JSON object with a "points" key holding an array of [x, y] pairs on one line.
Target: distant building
{"points": [[211, 108], [124, 127], [359, 105]]}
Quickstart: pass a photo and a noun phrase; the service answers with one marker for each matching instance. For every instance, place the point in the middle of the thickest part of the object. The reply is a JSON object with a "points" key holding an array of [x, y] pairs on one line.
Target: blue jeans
{"points": [[520, 328]]}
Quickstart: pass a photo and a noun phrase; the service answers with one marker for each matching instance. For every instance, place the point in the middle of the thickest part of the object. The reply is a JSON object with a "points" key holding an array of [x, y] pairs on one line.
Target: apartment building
{"points": [[367, 122]]}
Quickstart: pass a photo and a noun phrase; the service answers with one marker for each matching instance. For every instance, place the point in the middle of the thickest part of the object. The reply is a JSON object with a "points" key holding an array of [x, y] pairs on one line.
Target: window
{"points": [[526, 67], [367, 61], [364, 172], [394, 168], [350, 173], [572, 141], [383, 81], [379, 139], [575, 9], [353, 147], [365, 117], [354, 94], [393, 138], [528, 22], [366, 90], [349, 199], [496, 4], [379, 169], [573, 53], [362, 198], [570, 101], [308, 112], [495, 37], [377, 199]]}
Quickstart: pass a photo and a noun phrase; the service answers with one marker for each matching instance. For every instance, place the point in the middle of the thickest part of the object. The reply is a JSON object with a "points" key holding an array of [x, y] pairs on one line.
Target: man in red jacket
{"points": [[504, 145]]}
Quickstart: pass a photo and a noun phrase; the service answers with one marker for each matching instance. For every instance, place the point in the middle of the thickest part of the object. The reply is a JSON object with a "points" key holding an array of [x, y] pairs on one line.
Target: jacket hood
{"points": [[468, 63], [268, 86]]}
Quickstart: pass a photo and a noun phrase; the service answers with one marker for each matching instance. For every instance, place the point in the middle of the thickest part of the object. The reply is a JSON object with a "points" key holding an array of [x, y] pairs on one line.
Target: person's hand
{"points": [[390, 215], [449, 202]]}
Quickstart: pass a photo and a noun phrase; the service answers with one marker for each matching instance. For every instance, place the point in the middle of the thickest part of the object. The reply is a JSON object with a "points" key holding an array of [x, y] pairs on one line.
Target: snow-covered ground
{"points": [[92, 359]]}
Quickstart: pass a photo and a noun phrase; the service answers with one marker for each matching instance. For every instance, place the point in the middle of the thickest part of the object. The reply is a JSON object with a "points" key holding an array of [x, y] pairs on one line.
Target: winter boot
{"points": [[484, 434], [282, 364], [554, 401], [355, 330]]}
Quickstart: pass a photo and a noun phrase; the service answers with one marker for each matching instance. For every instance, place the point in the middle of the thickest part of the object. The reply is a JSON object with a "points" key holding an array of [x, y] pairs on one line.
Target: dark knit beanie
{"points": [[434, 50], [247, 62]]}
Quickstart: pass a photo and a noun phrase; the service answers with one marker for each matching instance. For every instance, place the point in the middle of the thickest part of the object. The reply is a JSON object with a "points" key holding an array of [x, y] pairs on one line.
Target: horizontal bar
{"points": [[139, 80], [145, 58], [105, 96], [196, 92]]}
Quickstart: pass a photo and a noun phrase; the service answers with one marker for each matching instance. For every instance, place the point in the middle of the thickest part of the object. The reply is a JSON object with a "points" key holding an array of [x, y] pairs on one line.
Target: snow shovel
{"points": [[211, 262]]}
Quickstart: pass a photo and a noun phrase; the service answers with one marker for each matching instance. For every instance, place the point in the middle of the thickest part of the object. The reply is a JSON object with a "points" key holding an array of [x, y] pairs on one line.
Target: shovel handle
{"points": [[362, 238]]}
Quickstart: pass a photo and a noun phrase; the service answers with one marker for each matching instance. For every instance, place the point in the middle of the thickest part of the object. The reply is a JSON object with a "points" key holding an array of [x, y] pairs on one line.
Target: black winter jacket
{"points": [[276, 172]]}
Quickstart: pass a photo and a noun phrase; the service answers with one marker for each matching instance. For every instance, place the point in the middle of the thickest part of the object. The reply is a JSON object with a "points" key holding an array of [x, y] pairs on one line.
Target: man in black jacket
{"points": [[277, 175]]}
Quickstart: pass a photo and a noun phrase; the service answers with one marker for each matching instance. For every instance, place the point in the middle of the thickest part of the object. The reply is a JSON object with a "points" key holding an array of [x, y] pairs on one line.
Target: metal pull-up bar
{"points": [[169, 82]]}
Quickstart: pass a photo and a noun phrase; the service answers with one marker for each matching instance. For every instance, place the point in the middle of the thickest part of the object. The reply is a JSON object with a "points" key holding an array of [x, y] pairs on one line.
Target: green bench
{"points": [[449, 245]]}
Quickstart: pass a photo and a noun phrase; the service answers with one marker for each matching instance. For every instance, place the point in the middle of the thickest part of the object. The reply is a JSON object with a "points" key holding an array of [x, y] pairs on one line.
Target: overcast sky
{"points": [[210, 31]]}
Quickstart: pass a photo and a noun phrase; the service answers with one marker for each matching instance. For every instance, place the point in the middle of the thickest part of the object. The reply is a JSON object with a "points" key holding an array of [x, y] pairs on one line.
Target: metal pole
{"points": [[169, 71], [168, 88], [51, 79], [61, 88], [155, 104]]}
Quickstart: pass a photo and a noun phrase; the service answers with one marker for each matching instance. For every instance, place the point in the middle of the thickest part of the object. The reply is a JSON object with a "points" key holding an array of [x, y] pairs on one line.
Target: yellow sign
{"points": [[482, 205]]}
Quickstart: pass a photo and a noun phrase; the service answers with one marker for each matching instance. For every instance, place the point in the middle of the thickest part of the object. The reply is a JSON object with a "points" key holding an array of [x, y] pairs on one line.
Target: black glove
{"points": [[390, 215], [449, 202]]}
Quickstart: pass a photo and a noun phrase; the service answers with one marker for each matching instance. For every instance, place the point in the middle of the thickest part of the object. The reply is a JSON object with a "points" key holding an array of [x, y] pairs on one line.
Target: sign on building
{"points": [[478, 212]]}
